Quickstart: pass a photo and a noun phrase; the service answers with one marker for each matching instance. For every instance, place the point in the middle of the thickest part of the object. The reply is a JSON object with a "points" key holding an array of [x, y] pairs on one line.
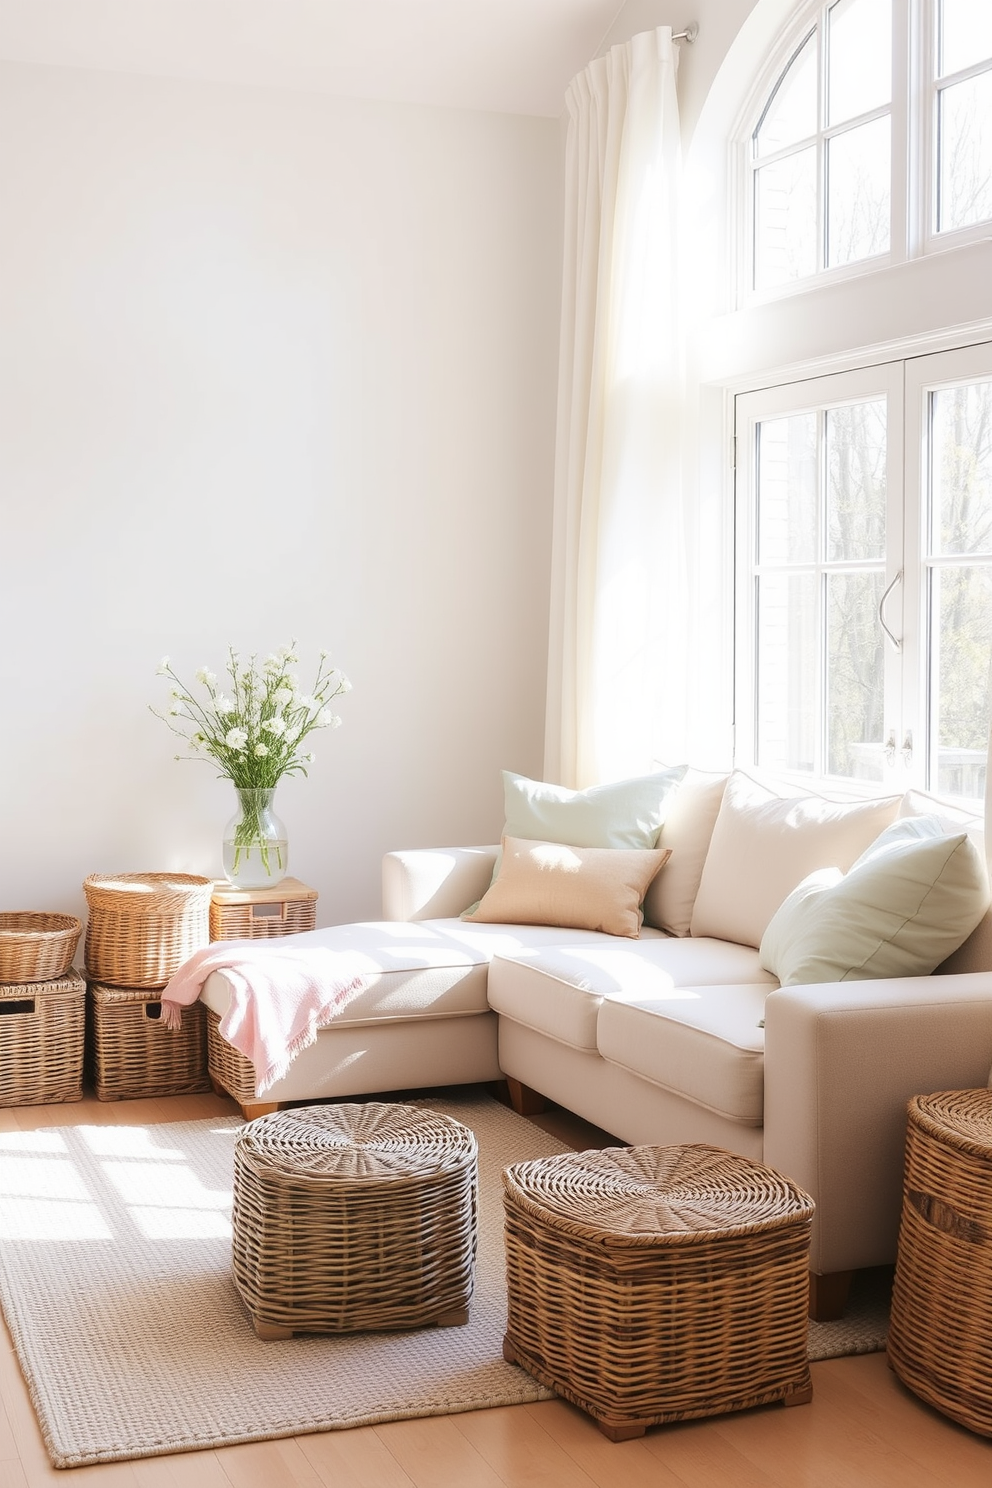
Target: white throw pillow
{"points": [[688, 827], [910, 900], [764, 844]]}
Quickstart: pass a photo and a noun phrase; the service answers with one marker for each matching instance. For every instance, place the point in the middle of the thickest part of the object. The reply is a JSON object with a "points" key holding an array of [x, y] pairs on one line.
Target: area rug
{"points": [[115, 1282]]}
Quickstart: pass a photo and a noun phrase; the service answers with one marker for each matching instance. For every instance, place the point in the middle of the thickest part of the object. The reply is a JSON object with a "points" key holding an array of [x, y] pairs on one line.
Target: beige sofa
{"points": [[680, 1034]]}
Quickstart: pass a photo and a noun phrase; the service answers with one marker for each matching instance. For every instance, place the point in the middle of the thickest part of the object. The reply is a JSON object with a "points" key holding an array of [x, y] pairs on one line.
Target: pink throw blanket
{"points": [[280, 996]]}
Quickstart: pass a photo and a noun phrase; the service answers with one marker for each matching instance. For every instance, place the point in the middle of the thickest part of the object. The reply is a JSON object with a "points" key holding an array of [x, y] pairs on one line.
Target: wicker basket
{"points": [[35, 946], [288, 908], [143, 926], [134, 1054], [354, 1217], [652, 1284], [940, 1333], [227, 1066], [42, 1028]]}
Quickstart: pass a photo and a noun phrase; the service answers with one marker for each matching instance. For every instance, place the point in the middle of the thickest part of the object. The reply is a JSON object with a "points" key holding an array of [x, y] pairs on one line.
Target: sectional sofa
{"points": [[685, 958]]}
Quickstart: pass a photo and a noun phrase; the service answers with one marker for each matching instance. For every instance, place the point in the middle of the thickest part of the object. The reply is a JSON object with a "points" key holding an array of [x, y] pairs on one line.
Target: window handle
{"points": [[907, 748], [896, 642], [890, 748]]}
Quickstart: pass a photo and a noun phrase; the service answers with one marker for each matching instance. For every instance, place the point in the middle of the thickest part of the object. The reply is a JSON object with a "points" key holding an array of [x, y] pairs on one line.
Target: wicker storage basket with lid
{"points": [[143, 926], [652, 1284], [134, 1054], [36, 946], [288, 908], [940, 1333], [353, 1217], [41, 1041]]}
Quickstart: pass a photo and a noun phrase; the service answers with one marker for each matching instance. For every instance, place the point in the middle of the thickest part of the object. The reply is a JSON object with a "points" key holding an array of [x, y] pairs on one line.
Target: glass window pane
{"points": [[855, 451], [787, 671], [959, 679], [855, 684], [858, 179], [790, 115], [787, 489], [964, 171], [859, 58], [785, 220], [961, 468], [965, 34]]}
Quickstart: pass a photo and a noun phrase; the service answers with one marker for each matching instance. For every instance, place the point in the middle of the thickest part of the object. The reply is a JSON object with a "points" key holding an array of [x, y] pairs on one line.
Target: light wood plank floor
{"points": [[862, 1429]]}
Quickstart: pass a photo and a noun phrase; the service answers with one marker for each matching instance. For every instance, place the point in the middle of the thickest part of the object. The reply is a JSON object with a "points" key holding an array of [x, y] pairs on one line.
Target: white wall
{"points": [[270, 366]]}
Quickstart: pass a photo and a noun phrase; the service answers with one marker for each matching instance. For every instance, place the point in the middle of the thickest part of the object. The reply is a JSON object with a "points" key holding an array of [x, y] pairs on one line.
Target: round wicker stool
{"points": [[651, 1284], [940, 1333], [351, 1217]]}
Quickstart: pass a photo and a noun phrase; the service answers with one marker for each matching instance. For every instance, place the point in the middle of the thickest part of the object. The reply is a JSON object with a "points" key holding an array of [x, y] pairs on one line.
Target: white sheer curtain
{"points": [[617, 663]]}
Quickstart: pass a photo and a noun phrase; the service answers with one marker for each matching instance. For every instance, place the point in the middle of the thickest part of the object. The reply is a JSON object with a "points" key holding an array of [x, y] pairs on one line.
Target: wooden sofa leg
{"points": [[525, 1102], [828, 1294]]}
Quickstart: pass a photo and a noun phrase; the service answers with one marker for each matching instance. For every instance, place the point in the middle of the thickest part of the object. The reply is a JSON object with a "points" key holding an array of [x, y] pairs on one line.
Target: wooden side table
{"points": [[286, 908]]}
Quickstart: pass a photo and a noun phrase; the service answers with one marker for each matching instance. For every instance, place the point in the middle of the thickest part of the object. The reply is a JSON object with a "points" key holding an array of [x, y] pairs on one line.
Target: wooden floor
{"points": [[862, 1429]]}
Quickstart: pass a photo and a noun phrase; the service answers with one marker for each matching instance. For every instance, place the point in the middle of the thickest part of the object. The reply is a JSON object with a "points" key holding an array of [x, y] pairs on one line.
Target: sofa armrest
{"points": [[841, 1062], [434, 883]]}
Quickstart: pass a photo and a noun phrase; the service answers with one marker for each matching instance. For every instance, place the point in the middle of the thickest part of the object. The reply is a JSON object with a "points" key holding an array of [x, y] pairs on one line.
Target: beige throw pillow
{"points": [[764, 844], [577, 888], [688, 827]]}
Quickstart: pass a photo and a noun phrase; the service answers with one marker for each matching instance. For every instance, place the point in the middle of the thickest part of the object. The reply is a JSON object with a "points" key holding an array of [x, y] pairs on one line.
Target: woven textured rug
{"points": [[115, 1281]]}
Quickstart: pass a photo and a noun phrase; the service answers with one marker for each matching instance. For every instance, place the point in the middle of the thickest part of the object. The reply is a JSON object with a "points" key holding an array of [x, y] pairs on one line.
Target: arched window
{"points": [[873, 142]]}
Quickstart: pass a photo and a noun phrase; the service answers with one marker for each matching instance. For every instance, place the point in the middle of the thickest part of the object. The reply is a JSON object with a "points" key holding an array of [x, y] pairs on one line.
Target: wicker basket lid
{"points": [[960, 1118], [150, 893], [369, 1142], [641, 1195]]}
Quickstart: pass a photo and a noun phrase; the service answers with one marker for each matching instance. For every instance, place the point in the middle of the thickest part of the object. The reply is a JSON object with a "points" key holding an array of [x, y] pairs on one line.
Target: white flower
{"points": [[206, 676], [275, 726], [282, 697], [310, 758], [306, 700], [236, 738], [224, 705], [176, 709], [335, 721], [345, 682], [325, 719], [163, 667], [261, 750], [292, 734]]}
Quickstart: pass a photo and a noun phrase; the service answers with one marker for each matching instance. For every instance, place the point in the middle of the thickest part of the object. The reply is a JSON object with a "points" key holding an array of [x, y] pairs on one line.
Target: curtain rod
{"points": [[689, 34]]}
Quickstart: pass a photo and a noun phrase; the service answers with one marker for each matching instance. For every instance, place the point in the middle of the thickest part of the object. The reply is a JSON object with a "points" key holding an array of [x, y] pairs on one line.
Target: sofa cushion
{"points": [[559, 990], [687, 829], [907, 903], [703, 1043], [622, 813], [584, 888], [424, 969], [764, 844]]}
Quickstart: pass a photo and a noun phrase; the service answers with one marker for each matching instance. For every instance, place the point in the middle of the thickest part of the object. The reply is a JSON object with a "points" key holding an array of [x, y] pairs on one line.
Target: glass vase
{"points": [[256, 848]]}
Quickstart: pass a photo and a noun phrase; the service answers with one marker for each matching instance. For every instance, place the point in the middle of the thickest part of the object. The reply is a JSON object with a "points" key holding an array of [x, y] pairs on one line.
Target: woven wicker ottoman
{"points": [[353, 1217], [652, 1284], [940, 1332]]}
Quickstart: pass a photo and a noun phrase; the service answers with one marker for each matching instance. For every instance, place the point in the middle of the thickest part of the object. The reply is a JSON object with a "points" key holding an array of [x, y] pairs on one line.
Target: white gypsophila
{"points": [[261, 750], [224, 705], [306, 700], [282, 697], [276, 726], [310, 758], [324, 719], [236, 738], [163, 667], [206, 677], [335, 721], [176, 710]]}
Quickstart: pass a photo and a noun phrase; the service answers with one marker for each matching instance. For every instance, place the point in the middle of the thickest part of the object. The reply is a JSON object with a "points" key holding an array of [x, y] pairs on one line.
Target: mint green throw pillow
{"points": [[903, 907], [623, 813]]}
